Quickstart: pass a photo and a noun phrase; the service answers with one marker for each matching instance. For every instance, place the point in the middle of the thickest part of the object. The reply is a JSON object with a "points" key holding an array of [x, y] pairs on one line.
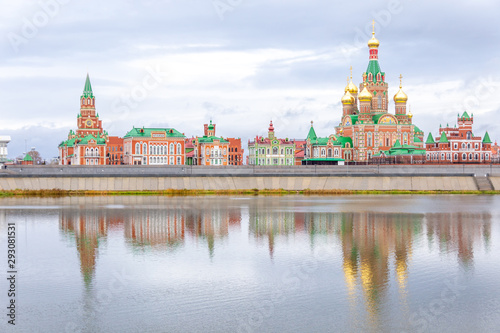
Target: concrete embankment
{"points": [[355, 178]]}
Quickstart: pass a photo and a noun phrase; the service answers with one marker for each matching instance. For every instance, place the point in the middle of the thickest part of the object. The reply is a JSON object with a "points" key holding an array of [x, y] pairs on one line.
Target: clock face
{"points": [[88, 123]]}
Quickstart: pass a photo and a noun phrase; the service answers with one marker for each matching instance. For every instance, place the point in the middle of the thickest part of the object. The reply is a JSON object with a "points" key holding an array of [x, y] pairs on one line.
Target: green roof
{"points": [[324, 159], [28, 158], [465, 115], [87, 90], [377, 117], [86, 139], [416, 139], [443, 138], [69, 143], [147, 133], [312, 134], [374, 68], [319, 141], [486, 138], [397, 144], [209, 139], [417, 130], [210, 127], [343, 140], [430, 139]]}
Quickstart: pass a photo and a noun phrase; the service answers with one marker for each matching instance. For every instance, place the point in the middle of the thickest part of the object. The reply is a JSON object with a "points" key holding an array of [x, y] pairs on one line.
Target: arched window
{"points": [[463, 145], [144, 150], [370, 77], [468, 146], [323, 152], [172, 150], [455, 157], [86, 151], [469, 135], [178, 149], [137, 148], [275, 150], [330, 152], [380, 101], [336, 152], [387, 141], [464, 157], [83, 101], [369, 139], [476, 157], [224, 152]]}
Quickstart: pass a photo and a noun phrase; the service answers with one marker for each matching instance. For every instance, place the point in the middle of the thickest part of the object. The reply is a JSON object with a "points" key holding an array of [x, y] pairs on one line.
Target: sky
{"points": [[239, 63]]}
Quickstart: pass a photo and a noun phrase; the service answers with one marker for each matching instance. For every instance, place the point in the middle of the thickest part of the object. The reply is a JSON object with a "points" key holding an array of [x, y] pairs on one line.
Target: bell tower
{"points": [[88, 120]]}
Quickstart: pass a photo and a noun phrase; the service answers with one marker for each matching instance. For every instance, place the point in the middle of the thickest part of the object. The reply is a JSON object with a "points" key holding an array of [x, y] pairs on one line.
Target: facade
{"points": [[366, 126], [154, 146], [326, 150], [235, 152], [459, 144], [210, 149], [114, 151], [4, 140], [86, 146], [271, 150]]}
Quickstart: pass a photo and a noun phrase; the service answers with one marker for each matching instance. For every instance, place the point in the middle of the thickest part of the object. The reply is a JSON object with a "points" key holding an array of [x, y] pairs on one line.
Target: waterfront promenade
{"points": [[295, 178]]}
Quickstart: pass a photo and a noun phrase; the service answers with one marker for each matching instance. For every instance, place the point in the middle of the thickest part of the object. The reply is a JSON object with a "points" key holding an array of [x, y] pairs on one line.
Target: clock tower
{"points": [[88, 120]]}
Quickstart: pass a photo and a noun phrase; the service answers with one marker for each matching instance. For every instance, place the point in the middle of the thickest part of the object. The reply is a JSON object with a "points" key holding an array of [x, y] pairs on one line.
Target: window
{"points": [[464, 157], [455, 157], [323, 152], [83, 101], [178, 160], [442, 156], [476, 146], [469, 135], [486, 156], [281, 151], [369, 139], [330, 152], [172, 151], [178, 149], [144, 150], [171, 160], [455, 145], [144, 160], [275, 150], [380, 100], [476, 157]]}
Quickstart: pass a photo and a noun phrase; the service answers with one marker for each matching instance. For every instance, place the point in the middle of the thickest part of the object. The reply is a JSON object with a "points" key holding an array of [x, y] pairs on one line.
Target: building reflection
{"points": [[459, 233], [158, 229], [88, 227], [212, 223], [376, 247]]}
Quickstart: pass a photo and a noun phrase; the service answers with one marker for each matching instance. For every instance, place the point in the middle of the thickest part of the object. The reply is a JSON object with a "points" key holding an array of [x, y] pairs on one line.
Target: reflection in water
{"points": [[376, 247], [159, 229], [88, 227], [457, 232]]}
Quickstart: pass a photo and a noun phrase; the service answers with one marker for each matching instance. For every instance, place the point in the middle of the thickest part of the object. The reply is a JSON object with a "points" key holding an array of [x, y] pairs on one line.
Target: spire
{"points": [[486, 138], [430, 139], [312, 134], [87, 90], [443, 138], [271, 127]]}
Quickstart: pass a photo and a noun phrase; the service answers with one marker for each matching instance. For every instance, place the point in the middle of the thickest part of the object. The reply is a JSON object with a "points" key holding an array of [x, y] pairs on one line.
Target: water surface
{"points": [[255, 264]]}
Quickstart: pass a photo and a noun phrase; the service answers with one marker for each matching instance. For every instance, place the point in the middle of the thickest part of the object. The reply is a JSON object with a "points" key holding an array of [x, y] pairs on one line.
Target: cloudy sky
{"points": [[241, 63]]}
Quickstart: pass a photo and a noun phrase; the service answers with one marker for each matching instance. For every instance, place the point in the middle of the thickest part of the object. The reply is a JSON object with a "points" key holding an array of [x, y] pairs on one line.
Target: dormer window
{"points": [[378, 77], [83, 101], [370, 77]]}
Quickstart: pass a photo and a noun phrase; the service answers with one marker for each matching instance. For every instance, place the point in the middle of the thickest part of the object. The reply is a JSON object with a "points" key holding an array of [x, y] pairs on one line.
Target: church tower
{"points": [[374, 78], [400, 99], [88, 120]]}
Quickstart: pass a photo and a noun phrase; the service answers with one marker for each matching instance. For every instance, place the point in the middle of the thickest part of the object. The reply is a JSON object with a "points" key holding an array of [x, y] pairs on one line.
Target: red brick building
{"points": [[235, 155], [458, 145], [114, 151]]}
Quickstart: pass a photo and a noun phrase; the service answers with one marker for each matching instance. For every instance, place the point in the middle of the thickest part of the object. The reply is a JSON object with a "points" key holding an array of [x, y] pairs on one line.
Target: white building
{"points": [[4, 140]]}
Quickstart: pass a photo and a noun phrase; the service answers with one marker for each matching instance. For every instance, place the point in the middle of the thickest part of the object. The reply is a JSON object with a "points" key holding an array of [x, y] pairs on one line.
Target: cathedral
{"points": [[367, 129]]}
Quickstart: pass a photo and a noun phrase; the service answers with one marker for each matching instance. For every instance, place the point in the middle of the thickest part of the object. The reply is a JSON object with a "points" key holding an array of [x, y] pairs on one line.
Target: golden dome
{"points": [[347, 99], [365, 95], [400, 96], [351, 87], [373, 43]]}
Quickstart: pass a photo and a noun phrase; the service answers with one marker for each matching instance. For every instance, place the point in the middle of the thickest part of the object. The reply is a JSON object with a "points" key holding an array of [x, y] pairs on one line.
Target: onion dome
{"points": [[365, 95], [351, 87], [271, 127], [373, 42], [400, 96], [347, 99]]}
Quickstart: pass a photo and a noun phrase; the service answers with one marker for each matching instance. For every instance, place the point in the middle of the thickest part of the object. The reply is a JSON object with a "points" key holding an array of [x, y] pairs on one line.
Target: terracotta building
{"points": [[154, 146], [86, 146], [458, 144], [213, 150]]}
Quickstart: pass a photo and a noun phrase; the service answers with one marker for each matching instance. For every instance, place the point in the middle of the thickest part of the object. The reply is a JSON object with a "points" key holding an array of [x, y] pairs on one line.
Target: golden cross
{"points": [[373, 25], [351, 72], [400, 80]]}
